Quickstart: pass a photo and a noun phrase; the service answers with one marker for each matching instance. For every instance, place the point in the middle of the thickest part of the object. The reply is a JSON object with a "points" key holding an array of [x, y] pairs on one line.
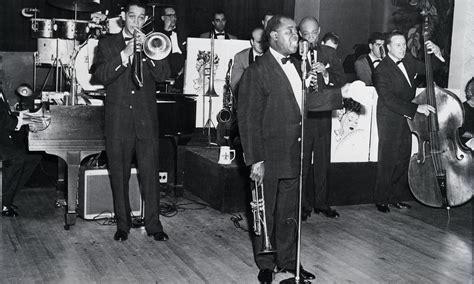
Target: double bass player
{"points": [[394, 80]]}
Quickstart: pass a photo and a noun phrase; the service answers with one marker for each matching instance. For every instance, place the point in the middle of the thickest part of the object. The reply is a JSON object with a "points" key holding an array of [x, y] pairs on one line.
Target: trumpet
{"points": [[259, 219]]}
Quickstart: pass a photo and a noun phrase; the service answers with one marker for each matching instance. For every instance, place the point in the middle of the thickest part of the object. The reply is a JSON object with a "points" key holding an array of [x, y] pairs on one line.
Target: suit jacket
{"points": [[176, 60], [125, 103], [319, 123], [181, 36], [242, 60], [395, 94], [270, 119], [364, 69], [208, 35], [8, 122]]}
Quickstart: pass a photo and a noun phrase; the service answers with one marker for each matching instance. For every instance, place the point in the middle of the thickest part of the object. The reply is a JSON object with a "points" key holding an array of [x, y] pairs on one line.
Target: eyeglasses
{"points": [[171, 15]]}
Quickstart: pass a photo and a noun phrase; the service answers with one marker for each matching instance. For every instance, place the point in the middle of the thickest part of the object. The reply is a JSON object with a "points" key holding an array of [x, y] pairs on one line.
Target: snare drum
{"points": [[84, 60], [70, 29], [50, 48], [42, 28]]}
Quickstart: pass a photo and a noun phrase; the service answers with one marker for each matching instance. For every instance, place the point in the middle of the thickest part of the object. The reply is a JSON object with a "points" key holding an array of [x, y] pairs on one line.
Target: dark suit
{"points": [[318, 135], [131, 128], [242, 60], [208, 35], [176, 60], [394, 106], [364, 68], [270, 130], [18, 165]]}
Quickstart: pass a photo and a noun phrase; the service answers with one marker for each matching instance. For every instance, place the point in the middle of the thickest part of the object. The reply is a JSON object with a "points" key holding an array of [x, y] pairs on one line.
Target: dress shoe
{"points": [[121, 235], [305, 214], [8, 211], [330, 213], [160, 236], [304, 274], [383, 208], [401, 205], [265, 276]]}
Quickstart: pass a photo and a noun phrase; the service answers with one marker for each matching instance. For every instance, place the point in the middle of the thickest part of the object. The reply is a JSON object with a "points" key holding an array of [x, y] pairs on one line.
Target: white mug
{"points": [[226, 155]]}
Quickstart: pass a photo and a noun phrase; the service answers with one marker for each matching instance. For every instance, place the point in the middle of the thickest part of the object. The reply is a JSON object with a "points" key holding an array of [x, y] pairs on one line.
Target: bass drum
{"points": [[85, 60]]}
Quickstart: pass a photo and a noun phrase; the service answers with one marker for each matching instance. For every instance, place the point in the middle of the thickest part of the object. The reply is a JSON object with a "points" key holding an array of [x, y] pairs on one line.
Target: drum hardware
{"points": [[26, 12], [55, 52], [211, 92]]}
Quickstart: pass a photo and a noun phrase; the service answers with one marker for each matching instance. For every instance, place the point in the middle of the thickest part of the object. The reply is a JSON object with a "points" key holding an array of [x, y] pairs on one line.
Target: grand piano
{"points": [[75, 132]]}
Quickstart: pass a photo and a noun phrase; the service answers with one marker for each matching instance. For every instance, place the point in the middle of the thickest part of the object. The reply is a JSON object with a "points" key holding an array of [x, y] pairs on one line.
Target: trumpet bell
{"points": [[157, 46]]}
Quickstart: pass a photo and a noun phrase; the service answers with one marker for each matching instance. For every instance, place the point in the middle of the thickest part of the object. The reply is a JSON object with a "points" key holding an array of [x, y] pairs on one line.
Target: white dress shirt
{"points": [[292, 75], [401, 67], [174, 43]]}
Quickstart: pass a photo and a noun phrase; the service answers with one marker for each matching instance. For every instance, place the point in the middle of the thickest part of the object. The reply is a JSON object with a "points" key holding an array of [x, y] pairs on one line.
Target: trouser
{"points": [[18, 166], [392, 169], [281, 206], [120, 153], [315, 176]]}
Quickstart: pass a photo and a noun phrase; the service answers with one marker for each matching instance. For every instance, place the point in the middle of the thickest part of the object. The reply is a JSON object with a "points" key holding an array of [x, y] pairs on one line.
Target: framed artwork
{"points": [[197, 74], [353, 133]]}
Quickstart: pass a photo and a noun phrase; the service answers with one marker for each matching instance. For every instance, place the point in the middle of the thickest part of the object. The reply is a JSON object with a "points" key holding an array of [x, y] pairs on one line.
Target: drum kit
{"points": [[68, 45]]}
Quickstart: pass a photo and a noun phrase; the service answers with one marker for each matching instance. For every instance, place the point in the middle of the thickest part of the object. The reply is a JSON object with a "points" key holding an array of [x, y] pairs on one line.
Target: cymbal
{"points": [[82, 5], [156, 3]]}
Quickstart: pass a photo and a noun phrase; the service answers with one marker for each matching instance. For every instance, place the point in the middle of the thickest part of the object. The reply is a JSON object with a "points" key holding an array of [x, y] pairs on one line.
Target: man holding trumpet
{"points": [[270, 118], [131, 120]]}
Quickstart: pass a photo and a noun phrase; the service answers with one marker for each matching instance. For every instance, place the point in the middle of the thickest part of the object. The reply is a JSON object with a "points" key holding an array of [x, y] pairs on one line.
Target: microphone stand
{"points": [[296, 279]]}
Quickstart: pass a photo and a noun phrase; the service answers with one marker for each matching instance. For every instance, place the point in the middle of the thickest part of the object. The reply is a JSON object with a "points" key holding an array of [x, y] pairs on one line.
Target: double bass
{"points": [[441, 174]]}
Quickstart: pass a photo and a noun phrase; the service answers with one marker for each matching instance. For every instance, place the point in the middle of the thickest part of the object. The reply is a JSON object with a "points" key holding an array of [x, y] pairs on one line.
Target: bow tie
{"points": [[219, 34], [286, 59], [377, 60], [127, 38], [398, 62]]}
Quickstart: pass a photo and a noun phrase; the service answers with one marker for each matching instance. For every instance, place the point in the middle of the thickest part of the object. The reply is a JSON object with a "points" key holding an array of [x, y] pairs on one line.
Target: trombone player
{"points": [[131, 119]]}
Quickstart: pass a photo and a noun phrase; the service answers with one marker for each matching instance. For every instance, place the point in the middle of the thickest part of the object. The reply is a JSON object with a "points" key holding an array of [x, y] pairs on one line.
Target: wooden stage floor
{"points": [[418, 245]]}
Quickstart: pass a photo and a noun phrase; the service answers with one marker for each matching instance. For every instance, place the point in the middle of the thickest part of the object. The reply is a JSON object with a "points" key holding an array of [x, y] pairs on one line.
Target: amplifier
{"points": [[95, 194]]}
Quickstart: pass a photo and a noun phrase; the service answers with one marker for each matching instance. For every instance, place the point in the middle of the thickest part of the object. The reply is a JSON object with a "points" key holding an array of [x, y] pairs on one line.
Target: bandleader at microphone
{"points": [[270, 128], [131, 120]]}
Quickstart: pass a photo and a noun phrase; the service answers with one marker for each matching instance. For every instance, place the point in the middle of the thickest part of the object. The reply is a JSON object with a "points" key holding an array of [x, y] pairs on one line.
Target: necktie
{"points": [[286, 59]]}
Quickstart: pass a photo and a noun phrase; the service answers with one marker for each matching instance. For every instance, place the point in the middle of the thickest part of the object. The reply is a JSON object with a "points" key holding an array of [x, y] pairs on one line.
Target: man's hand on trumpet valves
{"points": [[257, 172]]}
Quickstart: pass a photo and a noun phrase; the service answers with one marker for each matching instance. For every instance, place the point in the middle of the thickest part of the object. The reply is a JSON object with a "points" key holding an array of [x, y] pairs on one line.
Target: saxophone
{"points": [[225, 114]]}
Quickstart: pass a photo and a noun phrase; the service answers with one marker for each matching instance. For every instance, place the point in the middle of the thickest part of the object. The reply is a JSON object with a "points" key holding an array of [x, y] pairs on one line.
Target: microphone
{"points": [[303, 48]]}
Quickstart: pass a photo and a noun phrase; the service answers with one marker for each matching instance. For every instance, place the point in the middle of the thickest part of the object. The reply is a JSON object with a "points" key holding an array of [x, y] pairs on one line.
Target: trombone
{"points": [[259, 218], [156, 46]]}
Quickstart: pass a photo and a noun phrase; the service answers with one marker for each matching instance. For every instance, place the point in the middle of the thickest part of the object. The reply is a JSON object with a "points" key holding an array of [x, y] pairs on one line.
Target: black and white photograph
{"points": [[243, 141]]}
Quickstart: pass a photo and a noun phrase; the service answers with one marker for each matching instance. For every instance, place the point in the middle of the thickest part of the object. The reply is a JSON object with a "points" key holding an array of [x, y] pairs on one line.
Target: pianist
{"points": [[18, 164], [131, 120]]}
